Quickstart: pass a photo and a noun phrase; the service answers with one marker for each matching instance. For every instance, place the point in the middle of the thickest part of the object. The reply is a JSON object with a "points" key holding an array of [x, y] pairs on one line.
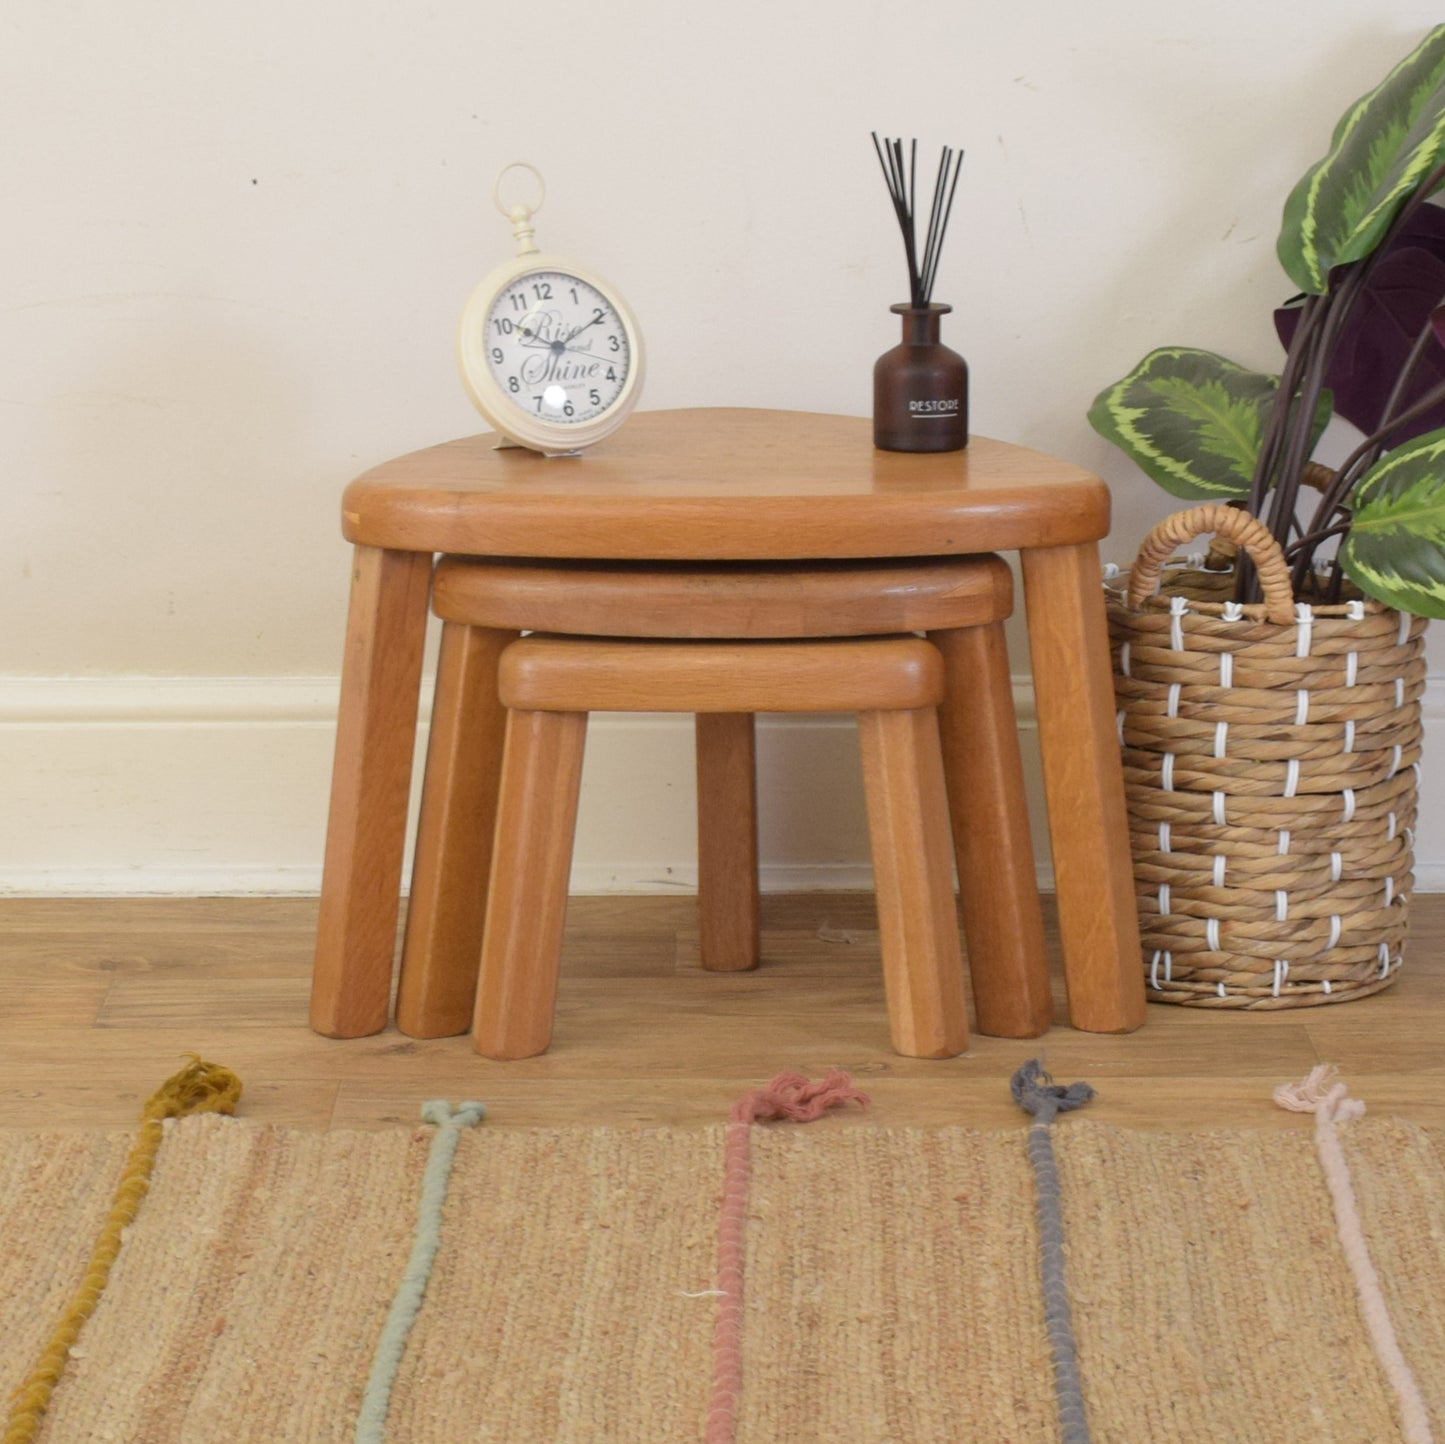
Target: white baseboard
{"points": [[218, 786]]}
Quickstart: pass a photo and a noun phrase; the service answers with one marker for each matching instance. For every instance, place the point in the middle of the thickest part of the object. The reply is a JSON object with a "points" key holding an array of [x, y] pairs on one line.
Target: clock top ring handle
{"points": [[520, 214]]}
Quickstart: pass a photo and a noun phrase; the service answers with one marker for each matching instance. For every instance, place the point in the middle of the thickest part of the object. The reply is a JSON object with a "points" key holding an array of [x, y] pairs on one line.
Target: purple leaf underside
{"points": [[1405, 289]]}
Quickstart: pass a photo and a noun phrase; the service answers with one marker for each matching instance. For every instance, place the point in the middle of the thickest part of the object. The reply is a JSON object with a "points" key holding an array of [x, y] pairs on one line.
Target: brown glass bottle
{"points": [[920, 388]]}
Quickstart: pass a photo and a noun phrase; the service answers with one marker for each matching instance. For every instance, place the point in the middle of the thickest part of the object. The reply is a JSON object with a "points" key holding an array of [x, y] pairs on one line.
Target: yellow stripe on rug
{"points": [[198, 1088]]}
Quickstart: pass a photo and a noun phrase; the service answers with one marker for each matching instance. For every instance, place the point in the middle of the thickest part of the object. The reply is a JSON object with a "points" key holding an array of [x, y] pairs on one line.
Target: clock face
{"points": [[556, 347]]}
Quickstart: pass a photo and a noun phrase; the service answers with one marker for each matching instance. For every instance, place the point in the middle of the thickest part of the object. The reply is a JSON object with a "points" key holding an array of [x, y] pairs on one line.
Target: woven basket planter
{"points": [[1271, 764]]}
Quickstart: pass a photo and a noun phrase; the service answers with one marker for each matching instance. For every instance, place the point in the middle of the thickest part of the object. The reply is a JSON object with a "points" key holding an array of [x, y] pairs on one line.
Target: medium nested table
{"points": [[713, 486]]}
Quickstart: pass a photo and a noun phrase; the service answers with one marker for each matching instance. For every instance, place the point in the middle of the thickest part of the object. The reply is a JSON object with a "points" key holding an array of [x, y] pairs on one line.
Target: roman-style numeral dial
{"points": [[556, 347]]}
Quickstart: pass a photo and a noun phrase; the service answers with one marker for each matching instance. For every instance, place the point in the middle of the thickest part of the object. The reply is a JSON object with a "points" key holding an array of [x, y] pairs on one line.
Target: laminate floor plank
{"points": [[101, 998]]}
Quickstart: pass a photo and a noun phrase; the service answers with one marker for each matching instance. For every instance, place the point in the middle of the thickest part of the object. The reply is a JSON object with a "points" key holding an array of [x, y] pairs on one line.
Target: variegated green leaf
{"points": [[1395, 550], [1192, 420], [1384, 146]]}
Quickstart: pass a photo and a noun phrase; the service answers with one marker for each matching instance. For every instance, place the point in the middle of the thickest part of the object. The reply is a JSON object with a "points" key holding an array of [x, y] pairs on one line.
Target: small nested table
{"points": [[718, 486]]}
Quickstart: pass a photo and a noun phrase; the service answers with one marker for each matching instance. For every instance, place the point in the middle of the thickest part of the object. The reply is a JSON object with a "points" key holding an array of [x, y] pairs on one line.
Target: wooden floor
{"points": [[100, 998]]}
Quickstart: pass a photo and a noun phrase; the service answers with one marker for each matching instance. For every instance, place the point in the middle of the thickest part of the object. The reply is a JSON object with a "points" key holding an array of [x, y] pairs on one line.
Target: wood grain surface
{"points": [[725, 484], [99, 998]]}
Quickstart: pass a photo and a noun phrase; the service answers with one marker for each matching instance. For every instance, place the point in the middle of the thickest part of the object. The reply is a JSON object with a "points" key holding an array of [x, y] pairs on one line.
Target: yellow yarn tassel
{"points": [[198, 1088]]}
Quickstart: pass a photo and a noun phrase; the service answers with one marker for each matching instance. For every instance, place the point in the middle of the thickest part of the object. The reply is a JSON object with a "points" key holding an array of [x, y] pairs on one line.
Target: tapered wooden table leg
{"points": [[370, 789], [448, 901], [1083, 776], [1002, 919], [917, 918], [527, 898], [727, 841]]}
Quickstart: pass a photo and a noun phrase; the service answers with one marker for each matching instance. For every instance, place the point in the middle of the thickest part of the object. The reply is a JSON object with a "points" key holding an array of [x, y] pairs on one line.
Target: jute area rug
{"points": [[892, 1284]]}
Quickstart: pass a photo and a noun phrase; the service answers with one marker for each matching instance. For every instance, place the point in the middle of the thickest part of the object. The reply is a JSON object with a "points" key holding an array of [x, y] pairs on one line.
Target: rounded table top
{"points": [[725, 484]]}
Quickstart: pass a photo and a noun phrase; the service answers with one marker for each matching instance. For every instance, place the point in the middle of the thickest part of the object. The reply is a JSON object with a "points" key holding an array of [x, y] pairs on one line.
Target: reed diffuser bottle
{"points": [[920, 387]]}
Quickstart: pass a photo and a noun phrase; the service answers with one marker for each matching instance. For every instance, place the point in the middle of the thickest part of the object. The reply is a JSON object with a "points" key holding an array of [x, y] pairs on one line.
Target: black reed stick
{"points": [[901, 181]]}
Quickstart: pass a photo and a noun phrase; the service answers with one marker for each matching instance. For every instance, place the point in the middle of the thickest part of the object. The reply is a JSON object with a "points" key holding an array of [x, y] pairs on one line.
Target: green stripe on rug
{"points": [[449, 1123]]}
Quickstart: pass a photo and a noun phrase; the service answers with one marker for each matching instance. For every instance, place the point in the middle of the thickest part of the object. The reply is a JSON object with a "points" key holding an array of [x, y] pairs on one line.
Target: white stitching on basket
{"points": [[1281, 973], [1167, 772], [1336, 928], [1389, 891], [1177, 608], [1226, 669], [1233, 612], [1304, 616], [1119, 723], [1399, 691], [1301, 707], [1355, 611], [1291, 781], [1124, 659], [1211, 934], [1164, 837], [1281, 905], [1283, 841], [1219, 861], [1384, 960], [1337, 865], [1219, 817], [1349, 736], [1392, 822], [1352, 668], [1349, 796], [1404, 628], [1164, 897], [1398, 759], [1172, 707], [1221, 733]]}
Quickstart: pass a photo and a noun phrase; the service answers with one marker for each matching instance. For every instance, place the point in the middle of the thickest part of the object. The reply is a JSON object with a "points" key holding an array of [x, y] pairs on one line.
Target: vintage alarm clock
{"points": [[549, 351]]}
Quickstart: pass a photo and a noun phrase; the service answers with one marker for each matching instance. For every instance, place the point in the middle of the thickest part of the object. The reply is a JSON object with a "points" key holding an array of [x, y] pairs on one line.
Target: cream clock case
{"points": [[549, 352]]}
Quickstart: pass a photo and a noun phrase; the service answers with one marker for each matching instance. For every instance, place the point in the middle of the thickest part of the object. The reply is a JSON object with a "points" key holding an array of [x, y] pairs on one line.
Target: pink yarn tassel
{"points": [[791, 1097], [1330, 1102]]}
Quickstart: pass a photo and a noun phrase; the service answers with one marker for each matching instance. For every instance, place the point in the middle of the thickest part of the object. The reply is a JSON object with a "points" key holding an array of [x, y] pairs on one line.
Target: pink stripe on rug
{"points": [[794, 1098], [1330, 1102]]}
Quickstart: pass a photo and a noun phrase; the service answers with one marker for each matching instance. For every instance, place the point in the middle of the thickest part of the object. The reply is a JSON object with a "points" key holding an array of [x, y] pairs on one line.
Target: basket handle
{"points": [[1234, 525]]}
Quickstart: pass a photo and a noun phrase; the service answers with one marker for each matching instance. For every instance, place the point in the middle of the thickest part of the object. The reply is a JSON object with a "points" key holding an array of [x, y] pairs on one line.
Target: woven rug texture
{"points": [[892, 1291]]}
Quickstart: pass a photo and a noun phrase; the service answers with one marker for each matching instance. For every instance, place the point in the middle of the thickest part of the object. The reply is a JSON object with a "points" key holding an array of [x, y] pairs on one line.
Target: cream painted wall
{"points": [[236, 238]]}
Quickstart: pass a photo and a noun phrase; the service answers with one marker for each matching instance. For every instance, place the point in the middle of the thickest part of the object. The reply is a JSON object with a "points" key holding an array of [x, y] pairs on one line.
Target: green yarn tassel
{"points": [[386, 1362]]}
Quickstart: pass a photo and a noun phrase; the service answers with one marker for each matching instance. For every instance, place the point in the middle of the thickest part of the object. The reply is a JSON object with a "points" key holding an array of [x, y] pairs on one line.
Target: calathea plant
{"points": [[1365, 339]]}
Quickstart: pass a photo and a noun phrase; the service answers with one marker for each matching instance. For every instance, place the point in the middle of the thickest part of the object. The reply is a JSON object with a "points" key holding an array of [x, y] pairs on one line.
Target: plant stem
{"points": [[1397, 391], [1301, 346], [1359, 462], [1338, 305], [1315, 537]]}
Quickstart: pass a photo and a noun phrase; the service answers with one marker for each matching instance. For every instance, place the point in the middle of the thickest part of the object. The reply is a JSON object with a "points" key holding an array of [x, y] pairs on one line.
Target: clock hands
{"points": [[537, 344], [581, 329]]}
